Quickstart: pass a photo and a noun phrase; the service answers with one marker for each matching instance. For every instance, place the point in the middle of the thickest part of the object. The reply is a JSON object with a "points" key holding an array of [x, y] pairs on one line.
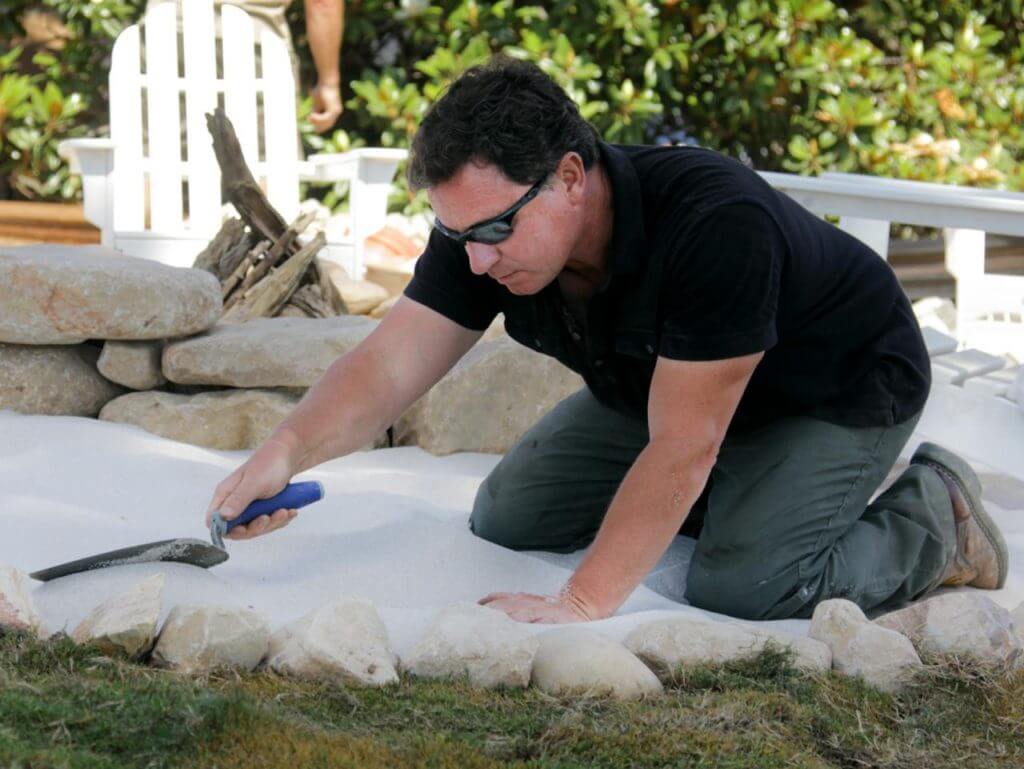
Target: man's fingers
{"points": [[264, 524], [492, 597]]}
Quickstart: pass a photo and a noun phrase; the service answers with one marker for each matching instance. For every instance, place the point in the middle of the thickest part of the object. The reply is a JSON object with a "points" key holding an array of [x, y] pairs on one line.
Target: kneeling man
{"points": [[751, 371]]}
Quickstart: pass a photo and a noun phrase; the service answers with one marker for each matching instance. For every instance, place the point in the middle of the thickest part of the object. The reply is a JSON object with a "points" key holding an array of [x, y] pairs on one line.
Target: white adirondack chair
{"points": [[120, 175]]}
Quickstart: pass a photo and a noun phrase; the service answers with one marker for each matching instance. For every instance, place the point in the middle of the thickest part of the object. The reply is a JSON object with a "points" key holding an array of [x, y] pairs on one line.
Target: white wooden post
{"points": [[965, 260]]}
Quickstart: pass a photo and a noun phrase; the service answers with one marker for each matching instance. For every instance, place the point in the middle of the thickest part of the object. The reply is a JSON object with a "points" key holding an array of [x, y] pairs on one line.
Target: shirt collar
{"points": [[629, 239]]}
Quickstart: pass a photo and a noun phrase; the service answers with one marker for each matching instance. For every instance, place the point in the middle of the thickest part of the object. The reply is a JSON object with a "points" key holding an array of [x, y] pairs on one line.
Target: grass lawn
{"points": [[67, 706]]}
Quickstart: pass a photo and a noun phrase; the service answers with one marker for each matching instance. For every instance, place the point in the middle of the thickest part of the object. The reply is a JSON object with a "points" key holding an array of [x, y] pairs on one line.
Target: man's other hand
{"points": [[524, 607]]}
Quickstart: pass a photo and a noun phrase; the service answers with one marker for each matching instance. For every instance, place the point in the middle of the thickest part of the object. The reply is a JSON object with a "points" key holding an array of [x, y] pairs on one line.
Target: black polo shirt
{"points": [[709, 262]]}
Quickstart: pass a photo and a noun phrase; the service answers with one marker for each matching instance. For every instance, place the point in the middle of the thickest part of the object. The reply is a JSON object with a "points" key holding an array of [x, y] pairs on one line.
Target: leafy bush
{"points": [[54, 57], [907, 88]]}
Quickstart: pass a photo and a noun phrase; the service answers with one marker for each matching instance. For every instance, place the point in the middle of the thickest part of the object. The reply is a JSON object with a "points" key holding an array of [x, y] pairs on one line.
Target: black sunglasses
{"points": [[493, 230]]}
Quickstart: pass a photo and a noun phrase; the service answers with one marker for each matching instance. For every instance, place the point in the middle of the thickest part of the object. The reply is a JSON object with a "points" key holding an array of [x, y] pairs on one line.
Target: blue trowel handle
{"points": [[294, 495]]}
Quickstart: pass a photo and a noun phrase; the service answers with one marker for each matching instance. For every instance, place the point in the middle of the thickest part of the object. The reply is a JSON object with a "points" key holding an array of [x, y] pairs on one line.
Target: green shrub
{"points": [[907, 88], [52, 90]]}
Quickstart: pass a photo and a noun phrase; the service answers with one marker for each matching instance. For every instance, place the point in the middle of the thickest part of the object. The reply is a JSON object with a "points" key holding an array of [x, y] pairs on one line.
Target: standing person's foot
{"points": [[980, 558]]}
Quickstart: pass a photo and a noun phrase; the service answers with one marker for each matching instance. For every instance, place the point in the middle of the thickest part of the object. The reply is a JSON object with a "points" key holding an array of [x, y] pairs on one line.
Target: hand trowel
{"points": [[191, 551]]}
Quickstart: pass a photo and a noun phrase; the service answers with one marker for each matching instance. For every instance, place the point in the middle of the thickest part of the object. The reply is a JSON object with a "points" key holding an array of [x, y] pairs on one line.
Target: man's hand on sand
{"points": [[524, 607], [327, 107], [266, 473]]}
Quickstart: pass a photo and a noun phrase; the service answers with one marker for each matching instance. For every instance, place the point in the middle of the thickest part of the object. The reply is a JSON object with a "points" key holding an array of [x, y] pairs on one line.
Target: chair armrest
{"points": [[372, 164], [87, 156]]}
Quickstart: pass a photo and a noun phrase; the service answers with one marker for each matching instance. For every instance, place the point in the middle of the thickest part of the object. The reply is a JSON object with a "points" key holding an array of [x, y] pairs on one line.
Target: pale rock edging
{"points": [[476, 642], [55, 380], [199, 639], [666, 645], [1017, 615], [583, 662], [56, 294], [487, 401], [882, 657], [962, 623], [344, 642], [267, 352], [125, 622], [17, 610]]}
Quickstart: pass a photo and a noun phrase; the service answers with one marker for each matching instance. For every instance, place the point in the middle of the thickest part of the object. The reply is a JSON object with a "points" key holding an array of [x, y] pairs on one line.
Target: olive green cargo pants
{"points": [[784, 522]]}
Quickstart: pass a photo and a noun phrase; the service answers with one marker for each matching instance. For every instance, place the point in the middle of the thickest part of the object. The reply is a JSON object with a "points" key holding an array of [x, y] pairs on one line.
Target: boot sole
{"points": [[951, 466]]}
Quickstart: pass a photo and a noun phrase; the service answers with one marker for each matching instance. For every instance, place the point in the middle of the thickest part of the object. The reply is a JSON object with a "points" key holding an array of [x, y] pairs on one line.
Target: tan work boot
{"points": [[980, 558]]}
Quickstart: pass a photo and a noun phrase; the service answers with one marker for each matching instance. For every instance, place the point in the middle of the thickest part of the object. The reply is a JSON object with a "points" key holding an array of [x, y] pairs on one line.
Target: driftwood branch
{"points": [[258, 258], [268, 296]]}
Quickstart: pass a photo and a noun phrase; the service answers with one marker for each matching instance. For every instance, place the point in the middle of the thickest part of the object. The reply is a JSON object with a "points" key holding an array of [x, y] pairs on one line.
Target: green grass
{"points": [[68, 706]]}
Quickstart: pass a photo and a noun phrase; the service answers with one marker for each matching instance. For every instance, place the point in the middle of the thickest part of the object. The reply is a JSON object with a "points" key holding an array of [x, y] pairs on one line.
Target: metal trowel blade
{"points": [[190, 551]]}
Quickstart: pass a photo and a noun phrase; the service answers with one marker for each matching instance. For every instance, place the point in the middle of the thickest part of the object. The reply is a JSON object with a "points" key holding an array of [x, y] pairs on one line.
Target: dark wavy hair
{"points": [[505, 113]]}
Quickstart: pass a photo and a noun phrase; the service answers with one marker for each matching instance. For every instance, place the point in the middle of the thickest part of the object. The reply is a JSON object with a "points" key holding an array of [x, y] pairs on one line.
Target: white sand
{"points": [[392, 529]]}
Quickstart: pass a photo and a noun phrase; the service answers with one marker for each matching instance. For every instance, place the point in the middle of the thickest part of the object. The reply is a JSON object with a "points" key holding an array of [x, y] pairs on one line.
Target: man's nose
{"points": [[481, 257]]}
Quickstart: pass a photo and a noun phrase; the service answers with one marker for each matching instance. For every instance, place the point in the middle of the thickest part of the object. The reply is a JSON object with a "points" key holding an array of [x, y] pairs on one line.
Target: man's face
{"points": [[544, 229]]}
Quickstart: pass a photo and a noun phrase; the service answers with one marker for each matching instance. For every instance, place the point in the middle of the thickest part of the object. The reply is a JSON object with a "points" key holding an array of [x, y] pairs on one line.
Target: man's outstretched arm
{"points": [[689, 409]]}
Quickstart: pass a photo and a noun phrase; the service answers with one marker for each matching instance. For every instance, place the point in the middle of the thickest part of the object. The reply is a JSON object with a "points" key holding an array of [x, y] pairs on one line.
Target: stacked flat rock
{"points": [[227, 420], [60, 302], [67, 294], [268, 352], [267, 362]]}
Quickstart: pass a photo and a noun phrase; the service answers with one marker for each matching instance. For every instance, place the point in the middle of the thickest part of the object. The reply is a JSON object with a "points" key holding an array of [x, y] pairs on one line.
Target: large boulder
{"points": [[17, 612], [668, 644], [54, 380], [268, 352], [344, 642], [883, 658], [476, 642], [963, 623], [198, 639], [487, 401], [56, 294], [133, 364], [583, 662], [125, 622]]}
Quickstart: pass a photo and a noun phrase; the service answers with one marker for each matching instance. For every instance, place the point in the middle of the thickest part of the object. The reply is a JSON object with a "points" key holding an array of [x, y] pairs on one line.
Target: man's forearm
{"points": [[651, 504], [350, 405], [325, 24]]}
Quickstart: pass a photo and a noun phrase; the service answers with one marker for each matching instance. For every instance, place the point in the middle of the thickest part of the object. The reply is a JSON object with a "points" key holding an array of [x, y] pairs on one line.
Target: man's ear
{"points": [[573, 175]]}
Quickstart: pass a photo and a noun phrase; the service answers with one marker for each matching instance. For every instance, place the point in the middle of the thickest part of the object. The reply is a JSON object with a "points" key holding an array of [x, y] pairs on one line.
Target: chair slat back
{"points": [[239, 85], [147, 98], [129, 182], [204, 194], [164, 119], [280, 128]]}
